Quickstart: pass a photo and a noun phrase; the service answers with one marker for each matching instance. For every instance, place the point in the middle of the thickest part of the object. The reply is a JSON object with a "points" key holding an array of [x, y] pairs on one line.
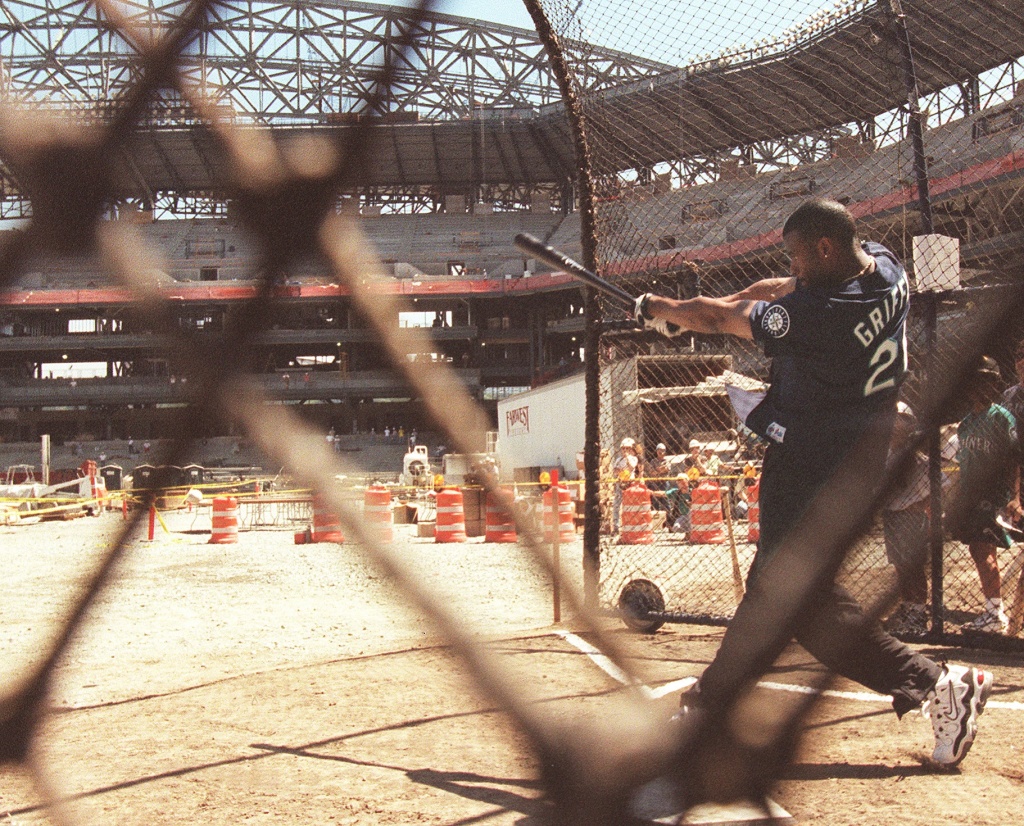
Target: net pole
{"points": [[915, 128], [568, 85]]}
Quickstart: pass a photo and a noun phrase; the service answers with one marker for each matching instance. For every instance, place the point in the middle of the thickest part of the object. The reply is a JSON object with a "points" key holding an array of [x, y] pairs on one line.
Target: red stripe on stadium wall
{"points": [[986, 173]]}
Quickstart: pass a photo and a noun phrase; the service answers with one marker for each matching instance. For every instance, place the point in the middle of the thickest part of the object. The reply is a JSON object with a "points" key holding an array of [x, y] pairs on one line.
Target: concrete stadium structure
{"points": [[471, 146]]}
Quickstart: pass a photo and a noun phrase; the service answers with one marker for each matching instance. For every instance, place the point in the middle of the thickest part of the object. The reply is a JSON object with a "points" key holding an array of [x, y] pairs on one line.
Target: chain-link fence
{"points": [[285, 193], [910, 117], [687, 176]]}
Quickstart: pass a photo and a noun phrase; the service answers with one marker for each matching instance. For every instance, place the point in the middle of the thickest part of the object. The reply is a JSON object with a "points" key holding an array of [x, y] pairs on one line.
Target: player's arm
{"points": [[702, 314], [768, 289]]}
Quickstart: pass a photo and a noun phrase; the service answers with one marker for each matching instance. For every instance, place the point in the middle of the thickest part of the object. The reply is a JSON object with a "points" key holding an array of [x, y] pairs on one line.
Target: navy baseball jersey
{"points": [[838, 356]]}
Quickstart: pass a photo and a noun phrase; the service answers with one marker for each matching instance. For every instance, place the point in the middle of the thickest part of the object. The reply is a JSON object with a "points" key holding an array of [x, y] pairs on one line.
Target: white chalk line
{"points": [[605, 664], [617, 674]]}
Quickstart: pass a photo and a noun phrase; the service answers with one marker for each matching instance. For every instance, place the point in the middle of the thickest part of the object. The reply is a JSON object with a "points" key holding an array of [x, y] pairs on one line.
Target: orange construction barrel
{"points": [[451, 519], [566, 512], [377, 512], [225, 521], [498, 523], [707, 525], [326, 523], [754, 512], [636, 526]]}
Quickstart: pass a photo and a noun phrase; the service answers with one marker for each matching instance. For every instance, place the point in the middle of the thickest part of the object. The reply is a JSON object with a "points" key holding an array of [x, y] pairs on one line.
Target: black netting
{"points": [[694, 166]]}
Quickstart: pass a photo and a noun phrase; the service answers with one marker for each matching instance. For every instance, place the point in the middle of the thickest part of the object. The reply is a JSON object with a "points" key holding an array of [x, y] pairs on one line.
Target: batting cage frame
{"points": [[654, 390]]}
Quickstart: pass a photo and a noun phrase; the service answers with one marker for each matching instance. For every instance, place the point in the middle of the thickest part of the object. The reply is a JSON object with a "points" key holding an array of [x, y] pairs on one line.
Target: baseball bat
{"points": [[737, 576], [549, 255], [1016, 614]]}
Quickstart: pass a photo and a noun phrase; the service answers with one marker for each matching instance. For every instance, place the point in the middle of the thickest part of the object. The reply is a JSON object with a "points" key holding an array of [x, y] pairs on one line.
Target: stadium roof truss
{"points": [[474, 107], [461, 88]]}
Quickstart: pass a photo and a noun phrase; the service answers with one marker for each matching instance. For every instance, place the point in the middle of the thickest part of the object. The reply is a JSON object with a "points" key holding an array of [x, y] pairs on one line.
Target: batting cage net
{"points": [[689, 161], [907, 115]]}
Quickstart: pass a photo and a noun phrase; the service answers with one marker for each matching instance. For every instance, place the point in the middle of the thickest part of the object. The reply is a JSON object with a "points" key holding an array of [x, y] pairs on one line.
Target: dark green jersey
{"points": [[988, 454]]}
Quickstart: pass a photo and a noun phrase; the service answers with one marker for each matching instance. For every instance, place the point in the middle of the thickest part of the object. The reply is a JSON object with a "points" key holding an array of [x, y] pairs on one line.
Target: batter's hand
{"points": [[646, 321]]}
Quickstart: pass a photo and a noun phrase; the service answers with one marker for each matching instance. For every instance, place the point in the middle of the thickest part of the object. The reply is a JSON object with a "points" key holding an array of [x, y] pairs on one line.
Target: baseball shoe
{"points": [[990, 622], [909, 620], [954, 705], [689, 702]]}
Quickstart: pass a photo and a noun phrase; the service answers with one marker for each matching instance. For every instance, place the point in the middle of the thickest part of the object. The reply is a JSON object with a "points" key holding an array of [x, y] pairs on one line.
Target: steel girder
{"points": [[289, 62]]}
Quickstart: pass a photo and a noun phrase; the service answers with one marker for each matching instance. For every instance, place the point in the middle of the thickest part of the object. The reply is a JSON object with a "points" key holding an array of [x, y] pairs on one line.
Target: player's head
{"points": [[985, 383], [820, 237]]}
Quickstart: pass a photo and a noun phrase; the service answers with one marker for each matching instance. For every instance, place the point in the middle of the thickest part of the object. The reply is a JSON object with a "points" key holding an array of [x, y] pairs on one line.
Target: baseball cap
{"points": [[694, 443], [628, 442], [661, 446], [906, 414], [987, 368]]}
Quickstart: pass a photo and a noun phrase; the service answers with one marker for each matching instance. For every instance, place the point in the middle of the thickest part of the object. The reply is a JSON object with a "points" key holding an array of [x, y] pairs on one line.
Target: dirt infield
{"points": [[268, 682]]}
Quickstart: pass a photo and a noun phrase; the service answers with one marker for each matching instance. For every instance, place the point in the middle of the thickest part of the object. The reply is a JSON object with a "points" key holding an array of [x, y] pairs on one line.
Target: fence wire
{"points": [[285, 193], [690, 174], [693, 173]]}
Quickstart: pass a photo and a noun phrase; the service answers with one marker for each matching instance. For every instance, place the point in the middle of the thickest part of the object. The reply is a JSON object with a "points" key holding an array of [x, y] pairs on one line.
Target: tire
{"points": [[637, 599]]}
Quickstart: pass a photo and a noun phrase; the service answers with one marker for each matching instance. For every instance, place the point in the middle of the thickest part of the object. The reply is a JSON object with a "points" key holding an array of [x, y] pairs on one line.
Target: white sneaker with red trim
{"points": [[954, 705]]}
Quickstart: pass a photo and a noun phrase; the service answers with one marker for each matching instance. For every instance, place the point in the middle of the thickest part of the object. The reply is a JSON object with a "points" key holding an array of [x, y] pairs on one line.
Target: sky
{"points": [[509, 12], [672, 32]]}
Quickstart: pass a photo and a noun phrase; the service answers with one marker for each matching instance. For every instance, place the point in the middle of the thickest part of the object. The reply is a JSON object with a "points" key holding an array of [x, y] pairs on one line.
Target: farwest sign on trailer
{"points": [[542, 428]]}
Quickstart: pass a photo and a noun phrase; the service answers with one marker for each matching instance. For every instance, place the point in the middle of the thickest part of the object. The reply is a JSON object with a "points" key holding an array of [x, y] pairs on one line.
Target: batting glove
{"points": [[640, 311], [646, 321]]}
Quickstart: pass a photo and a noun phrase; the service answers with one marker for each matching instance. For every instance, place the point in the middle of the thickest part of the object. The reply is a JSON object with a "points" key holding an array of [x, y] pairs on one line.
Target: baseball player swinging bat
{"points": [[636, 305]]}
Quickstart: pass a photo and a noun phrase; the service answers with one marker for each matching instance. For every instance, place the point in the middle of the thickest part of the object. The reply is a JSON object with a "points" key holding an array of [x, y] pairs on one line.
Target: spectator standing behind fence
{"points": [[1013, 397], [905, 522], [625, 470], [696, 461], [989, 483], [835, 331], [678, 497], [712, 462], [658, 480]]}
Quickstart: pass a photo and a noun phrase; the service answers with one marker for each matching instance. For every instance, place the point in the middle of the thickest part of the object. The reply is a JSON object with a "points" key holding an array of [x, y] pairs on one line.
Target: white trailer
{"points": [[541, 429]]}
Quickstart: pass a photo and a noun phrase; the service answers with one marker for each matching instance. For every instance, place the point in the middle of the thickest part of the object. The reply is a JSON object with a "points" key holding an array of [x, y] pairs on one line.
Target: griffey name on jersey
{"points": [[895, 304]]}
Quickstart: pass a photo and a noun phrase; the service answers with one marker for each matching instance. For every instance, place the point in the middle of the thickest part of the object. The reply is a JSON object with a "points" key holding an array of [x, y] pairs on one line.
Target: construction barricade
{"points": [[566, 512], [637, 522], [498, 523], [706, 520], [753, 512], [377, 513], [225, 521], [451, 519], [326, 523]]}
